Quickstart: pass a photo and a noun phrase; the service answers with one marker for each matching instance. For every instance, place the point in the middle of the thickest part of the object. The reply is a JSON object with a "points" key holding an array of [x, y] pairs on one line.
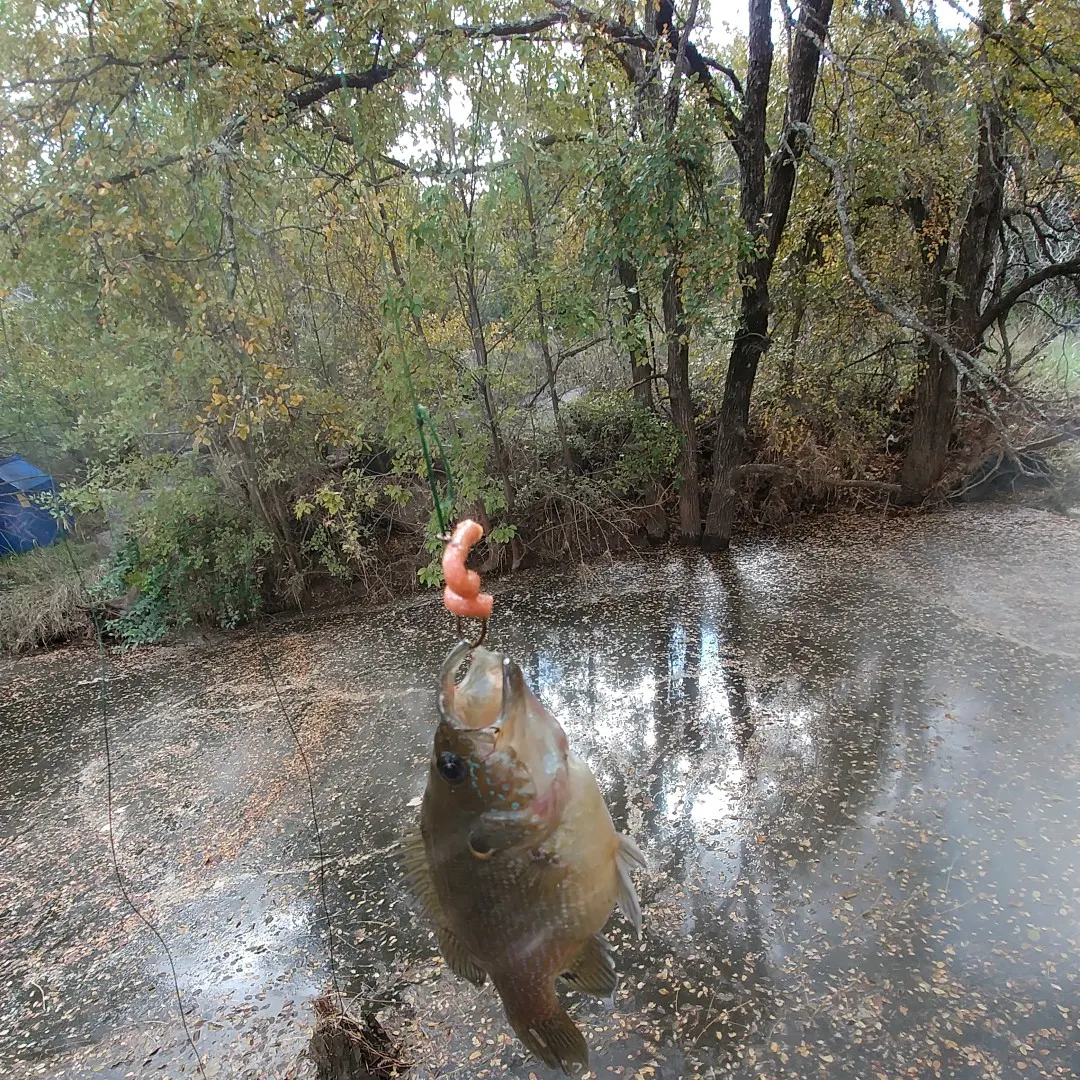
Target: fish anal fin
{"points": [[457, 959], [543, 1025], [628, 857], [593, 972]]}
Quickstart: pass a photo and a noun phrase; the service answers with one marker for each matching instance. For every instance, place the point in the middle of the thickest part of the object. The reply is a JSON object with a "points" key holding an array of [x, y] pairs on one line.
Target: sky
{"points": [[733, 13]]}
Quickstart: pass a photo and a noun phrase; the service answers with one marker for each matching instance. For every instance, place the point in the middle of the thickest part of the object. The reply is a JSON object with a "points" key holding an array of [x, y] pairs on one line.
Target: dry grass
{"points": [[344, 1048], [42, 602]]}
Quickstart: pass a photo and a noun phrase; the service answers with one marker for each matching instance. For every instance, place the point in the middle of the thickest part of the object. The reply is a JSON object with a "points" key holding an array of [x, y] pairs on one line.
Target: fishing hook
{"points": [[483, 632]]}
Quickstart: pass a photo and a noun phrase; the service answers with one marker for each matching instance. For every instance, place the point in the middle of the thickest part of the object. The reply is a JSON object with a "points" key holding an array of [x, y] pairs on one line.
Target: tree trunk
{"points": [[753, 325], [682, 408], [676, 330], [797, 319], [750, 342], [1006, 349], [811, 250], [931, 428], [764, 215], [937, 391], [641, 372], [498, 447], [541, 323]]}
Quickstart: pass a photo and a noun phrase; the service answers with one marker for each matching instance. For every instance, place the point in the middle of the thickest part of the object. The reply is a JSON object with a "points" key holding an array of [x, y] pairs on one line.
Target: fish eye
{"points": [[451, 767]]}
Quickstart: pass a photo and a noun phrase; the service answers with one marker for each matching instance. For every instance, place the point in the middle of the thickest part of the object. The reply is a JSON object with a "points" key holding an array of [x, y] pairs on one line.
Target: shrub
{"points": [[619, 441], [189, 557]]}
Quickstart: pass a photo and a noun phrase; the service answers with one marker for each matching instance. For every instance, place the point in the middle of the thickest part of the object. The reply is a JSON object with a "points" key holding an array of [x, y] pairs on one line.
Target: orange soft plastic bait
{"points": [[462, 595]]}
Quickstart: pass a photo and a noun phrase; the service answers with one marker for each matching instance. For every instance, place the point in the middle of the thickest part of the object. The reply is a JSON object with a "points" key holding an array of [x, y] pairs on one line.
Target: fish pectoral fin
{"points": [[418, 877], [628, 857], [457, 958], [593, 971], [543, 1025], [421, 884]]}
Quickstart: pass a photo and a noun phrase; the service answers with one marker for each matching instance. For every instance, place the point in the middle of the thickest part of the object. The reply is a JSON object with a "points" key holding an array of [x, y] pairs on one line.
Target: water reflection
{"points": [[858, 808]]}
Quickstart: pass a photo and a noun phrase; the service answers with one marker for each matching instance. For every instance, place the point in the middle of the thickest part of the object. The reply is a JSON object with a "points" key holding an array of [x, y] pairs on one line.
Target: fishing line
{"points": [[107, 738], [289, 722], [128, 899], [103, 709], [319, 849]]}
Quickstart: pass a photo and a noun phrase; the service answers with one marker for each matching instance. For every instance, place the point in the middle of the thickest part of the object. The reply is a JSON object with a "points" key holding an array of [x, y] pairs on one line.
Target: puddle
{"points": [[851, 761]]}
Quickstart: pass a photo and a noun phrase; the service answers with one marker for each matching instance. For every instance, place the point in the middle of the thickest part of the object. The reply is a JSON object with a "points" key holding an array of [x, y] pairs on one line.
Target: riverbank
{"points": [[44, 602]]}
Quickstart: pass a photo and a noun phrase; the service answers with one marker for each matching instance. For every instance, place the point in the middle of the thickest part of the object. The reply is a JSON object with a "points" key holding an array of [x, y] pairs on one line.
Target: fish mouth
{"points": [[512, 689]]}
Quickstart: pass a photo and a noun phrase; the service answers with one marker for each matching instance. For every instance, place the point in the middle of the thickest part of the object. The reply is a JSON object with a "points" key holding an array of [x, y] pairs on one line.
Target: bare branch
{"points": [[307, 96], [736, 82], [1070, 268], [114, 180], [319, 87]]}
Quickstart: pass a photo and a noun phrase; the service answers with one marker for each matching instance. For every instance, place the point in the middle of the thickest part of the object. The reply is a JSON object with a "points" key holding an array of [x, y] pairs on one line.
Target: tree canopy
{"points": [[619, 264]]}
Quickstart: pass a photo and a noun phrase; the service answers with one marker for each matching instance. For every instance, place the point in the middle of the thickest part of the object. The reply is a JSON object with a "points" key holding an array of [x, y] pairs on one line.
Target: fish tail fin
{"points": [[543, 1025], [628, 857]]}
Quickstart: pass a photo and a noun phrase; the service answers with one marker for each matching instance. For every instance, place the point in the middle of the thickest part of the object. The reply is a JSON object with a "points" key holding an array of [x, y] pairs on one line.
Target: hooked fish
{"points": [[517, 863]]}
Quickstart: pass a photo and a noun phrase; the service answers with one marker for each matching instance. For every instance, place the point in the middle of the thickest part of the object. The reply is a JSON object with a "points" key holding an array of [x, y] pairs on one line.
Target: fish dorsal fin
{"points": [[628, 857], [457, 959], [420, 883], [593, 971]]}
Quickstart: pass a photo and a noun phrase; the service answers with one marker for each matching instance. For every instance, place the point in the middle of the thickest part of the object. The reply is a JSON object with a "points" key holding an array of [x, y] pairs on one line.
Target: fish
{"points": [[516, 862]]}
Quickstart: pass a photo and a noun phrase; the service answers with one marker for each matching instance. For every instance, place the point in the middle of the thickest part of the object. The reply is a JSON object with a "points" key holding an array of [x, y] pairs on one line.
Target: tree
{"points": [[764, 213], [246, 246], [980, 252]]}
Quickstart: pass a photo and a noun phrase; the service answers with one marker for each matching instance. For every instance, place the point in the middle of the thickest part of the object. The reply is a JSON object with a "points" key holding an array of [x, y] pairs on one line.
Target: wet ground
{"points": [[851, 760]]}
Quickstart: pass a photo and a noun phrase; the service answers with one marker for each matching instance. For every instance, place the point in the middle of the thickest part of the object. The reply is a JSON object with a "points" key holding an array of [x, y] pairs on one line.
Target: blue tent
{"points": [[24, 524]]}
